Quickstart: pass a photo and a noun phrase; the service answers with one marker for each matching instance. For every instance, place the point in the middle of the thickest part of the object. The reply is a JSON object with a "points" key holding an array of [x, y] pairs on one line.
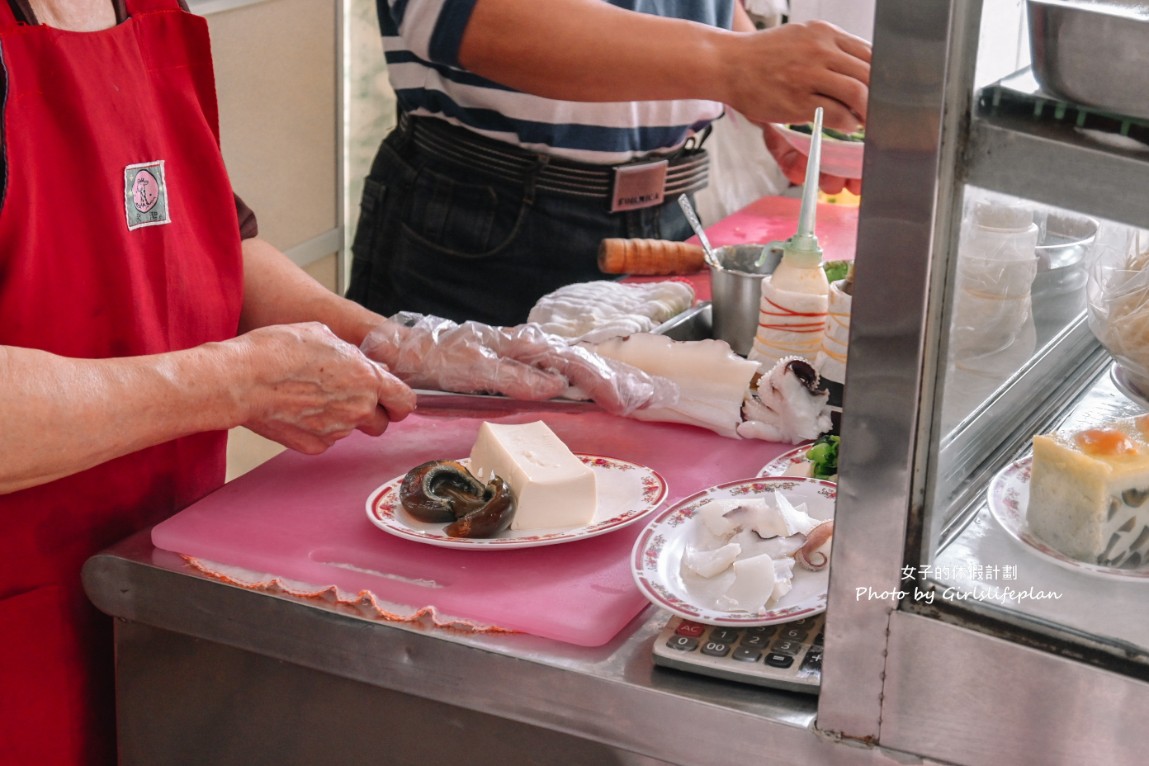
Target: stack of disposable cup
{"points": [[997, 262], [831, 360]]}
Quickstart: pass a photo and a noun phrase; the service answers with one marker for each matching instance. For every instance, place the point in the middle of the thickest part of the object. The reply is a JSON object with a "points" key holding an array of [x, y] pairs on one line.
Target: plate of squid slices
{"points": [[744, 553]]}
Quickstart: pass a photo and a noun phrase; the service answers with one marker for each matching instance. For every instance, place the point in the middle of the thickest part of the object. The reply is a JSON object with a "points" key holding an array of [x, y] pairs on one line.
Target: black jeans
{"points": [[439, 237]]}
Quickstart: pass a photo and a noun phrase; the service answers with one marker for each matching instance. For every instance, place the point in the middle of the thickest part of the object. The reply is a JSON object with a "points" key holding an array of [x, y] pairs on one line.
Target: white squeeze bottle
{"points": [[796, 296]]}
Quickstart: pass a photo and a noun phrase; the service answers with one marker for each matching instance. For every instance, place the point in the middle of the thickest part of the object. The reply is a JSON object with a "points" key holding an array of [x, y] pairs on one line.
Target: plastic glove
{"points": [[521, 362]]}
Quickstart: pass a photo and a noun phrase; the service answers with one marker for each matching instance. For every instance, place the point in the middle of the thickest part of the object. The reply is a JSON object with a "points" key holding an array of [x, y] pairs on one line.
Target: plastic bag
{"points": [[1118, 304]]}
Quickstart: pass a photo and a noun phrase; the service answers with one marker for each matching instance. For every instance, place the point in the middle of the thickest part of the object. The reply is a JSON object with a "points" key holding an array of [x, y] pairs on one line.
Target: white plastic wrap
{"points": [[596, 311], [831, 360], [997, 262]]}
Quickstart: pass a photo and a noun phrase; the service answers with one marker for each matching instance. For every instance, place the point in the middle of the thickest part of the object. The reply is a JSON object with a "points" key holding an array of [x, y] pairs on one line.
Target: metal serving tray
{"points": [[693, 324], [1093, 52]]}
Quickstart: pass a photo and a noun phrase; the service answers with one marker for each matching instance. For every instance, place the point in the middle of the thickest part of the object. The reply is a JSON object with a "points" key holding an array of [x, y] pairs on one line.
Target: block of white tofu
{"points": [[1089, 492], [551, 486]]}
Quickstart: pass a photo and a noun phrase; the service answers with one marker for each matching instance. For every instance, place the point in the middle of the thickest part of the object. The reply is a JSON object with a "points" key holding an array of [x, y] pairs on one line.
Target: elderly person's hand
{"points": [[521, 362], [311, 388]]}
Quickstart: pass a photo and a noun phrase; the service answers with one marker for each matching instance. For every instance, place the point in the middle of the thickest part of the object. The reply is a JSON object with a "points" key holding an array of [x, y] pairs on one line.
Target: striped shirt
{"points": [[421, 39]]}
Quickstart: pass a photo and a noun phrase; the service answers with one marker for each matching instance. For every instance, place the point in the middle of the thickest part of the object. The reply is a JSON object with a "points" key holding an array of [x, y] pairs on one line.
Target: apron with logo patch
{"points": [[118, 237]]}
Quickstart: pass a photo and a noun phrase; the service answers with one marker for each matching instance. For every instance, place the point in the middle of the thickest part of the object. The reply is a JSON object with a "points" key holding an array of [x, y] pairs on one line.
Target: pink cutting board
{"points": [[776, 218], [770, 219], [304, 518]]}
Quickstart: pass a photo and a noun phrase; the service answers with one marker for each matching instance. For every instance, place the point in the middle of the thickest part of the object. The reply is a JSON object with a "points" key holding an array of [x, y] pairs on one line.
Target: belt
{"points": [[628, 186]]}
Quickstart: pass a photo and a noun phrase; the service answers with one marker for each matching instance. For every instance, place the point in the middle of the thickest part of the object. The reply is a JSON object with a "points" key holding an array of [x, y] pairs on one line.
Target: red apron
{"points": [[118, 237]]}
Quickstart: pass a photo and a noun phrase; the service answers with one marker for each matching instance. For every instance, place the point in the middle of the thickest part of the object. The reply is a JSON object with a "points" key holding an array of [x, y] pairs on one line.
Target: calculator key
{"points": [[725, 635], [688, 628], [754, 639], [683, 643], [776, 660], [786, 647], [746, 654], [759, 630], [820, 639], [813, 660], [794, 634], [716, 649]]}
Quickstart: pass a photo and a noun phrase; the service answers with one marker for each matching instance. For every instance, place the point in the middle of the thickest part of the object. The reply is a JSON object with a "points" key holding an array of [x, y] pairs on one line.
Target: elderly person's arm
{"points": [[429, 352], [296, 383], [61, 415]]}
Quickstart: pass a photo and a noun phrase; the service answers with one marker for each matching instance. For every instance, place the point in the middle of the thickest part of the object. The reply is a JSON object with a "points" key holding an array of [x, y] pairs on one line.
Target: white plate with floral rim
{"points": [[626, 492], [792, 463], [1008, 497], [656, 559], [789, 463]]}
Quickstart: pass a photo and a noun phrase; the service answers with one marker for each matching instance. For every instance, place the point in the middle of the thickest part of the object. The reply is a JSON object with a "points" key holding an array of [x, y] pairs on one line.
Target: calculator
{"points": [[781, 656]]}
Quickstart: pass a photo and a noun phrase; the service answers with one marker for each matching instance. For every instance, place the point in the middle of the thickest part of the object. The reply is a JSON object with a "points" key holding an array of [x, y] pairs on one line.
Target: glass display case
{"points": [[970, 636]]}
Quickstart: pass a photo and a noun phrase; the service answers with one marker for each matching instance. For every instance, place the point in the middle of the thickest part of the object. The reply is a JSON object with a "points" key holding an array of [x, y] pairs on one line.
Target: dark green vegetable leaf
{"points": [[836, 270], [823, 453]]}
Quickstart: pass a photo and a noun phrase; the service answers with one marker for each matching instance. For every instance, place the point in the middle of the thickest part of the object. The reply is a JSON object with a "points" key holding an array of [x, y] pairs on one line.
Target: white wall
{"points": [[276, 66], [854, 16], [1004, 46]]}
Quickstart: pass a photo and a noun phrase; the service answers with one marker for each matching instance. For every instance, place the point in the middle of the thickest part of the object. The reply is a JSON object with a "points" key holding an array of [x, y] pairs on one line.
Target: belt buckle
{"points": [[638, 185]]}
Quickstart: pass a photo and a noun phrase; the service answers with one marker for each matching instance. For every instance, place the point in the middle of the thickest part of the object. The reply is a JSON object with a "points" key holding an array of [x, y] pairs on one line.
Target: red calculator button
{"points": [[692, 629]]}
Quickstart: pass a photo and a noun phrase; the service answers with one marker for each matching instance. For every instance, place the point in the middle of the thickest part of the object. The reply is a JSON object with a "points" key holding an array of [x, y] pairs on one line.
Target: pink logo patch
{"points": [[145, 191]]}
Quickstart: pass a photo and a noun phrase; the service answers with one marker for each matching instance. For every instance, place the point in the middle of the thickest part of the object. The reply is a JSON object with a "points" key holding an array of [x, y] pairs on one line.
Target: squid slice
{"points": [[815, 553], [711, 562]]}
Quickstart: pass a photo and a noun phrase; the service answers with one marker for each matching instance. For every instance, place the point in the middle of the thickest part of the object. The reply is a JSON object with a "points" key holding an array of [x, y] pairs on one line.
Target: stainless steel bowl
{"points": [[736, 293], [1092, 52]]}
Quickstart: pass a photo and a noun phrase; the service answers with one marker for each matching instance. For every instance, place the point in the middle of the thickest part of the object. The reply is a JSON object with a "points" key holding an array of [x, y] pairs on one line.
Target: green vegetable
{"points": [[823, 453], [857, 135], [836, 270], [807, 128]]}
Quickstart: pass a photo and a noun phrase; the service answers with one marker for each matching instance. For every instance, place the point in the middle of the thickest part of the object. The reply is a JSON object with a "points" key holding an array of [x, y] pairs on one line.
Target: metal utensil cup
{"points": [[736, 292]]}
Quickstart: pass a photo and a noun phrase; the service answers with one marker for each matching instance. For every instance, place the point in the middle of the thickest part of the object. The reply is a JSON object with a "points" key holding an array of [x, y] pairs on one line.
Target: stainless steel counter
{"points": [[210, 672]]}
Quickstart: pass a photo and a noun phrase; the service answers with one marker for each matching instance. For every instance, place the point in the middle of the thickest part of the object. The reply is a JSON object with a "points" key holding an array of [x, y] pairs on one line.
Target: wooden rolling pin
{"points": [[649, 257]]}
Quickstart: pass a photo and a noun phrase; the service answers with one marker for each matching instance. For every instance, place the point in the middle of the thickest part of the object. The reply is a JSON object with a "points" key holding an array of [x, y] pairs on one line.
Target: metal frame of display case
{"points": [[878, 490], [956, 683]]}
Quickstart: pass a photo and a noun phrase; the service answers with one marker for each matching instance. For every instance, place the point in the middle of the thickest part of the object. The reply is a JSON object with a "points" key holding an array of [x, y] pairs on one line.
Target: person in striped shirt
{"points": [[530, 131]]}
